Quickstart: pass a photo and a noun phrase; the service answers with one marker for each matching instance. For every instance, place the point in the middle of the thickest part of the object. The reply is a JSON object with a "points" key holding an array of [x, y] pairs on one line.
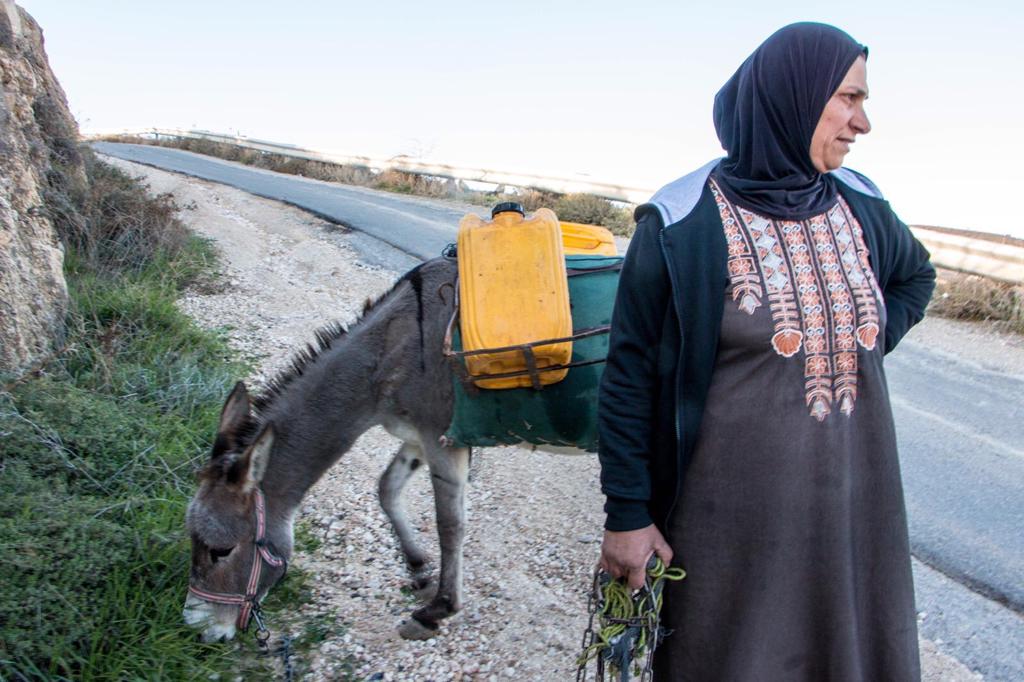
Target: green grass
{"points": [[97, 453], [306, 539]]}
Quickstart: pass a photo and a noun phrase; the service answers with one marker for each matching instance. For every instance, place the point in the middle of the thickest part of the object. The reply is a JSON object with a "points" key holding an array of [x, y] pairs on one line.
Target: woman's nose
{"points": [[860, 122]]}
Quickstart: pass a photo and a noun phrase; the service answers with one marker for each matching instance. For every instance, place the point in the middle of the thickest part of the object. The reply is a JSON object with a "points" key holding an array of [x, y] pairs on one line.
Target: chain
{"points": [[262, 633], [629, 624], [283, 650], [588, 634]]}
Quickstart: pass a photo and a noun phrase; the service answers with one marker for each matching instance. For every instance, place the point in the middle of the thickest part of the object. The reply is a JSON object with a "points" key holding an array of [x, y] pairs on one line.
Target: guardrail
{"points": [[989, 256], [615, 192], [985, 255]]}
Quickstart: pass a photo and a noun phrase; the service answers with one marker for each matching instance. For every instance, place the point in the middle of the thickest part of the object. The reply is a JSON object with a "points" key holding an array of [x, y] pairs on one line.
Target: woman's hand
{"points": [[626, 553]]}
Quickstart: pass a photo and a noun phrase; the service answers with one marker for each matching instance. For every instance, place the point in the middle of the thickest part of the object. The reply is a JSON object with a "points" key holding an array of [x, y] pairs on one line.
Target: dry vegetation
{"points": [[970, 297], [577, 208]]}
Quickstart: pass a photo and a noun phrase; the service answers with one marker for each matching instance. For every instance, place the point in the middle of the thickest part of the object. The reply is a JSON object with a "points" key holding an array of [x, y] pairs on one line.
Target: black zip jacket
{"points": [[665, 326]]}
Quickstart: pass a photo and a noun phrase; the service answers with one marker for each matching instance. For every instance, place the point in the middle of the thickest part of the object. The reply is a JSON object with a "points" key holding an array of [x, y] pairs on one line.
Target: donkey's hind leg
{"points": [[449, 469], [389, 490]]}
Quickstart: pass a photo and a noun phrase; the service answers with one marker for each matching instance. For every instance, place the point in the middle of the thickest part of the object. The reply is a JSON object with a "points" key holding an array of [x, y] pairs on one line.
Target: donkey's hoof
{"points": [[424, 589], [418, 563], [413, 629]]}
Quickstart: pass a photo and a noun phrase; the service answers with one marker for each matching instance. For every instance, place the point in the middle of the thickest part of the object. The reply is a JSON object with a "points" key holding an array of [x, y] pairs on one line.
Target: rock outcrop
{"points": [[39, 161]]}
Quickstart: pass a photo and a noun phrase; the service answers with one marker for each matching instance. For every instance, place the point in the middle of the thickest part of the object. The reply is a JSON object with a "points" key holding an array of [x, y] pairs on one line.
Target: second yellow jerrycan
{"points": [[587, 240], [513, 290]]}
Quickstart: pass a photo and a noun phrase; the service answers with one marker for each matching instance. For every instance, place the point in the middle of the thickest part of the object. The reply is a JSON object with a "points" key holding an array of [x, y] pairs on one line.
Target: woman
{"points": [[744, 412]]}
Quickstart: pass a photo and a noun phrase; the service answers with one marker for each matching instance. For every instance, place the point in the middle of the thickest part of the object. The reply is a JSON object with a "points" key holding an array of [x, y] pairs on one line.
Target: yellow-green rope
{"points": [[619, 608]]}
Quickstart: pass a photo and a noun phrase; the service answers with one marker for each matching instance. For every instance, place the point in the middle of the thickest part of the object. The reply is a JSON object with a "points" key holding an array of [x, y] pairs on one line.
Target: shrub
{"points": [[587, 208], [582, 208], [970, 297], [116, 226]]}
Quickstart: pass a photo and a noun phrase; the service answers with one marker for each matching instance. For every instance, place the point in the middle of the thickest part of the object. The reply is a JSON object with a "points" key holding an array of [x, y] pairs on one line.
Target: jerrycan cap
{"points": [[508, 206]]}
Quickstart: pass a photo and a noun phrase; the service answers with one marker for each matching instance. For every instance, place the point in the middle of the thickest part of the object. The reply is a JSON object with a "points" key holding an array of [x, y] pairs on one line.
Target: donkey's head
{"points": [[233, 564]]}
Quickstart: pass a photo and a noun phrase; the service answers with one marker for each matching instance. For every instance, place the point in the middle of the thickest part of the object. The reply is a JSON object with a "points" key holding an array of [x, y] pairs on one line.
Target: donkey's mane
{"points": [[301, 360], [325, 338]]}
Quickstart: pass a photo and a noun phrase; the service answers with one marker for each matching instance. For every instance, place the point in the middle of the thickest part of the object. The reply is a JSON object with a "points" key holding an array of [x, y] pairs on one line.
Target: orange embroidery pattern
{"points": [[821, 292]]}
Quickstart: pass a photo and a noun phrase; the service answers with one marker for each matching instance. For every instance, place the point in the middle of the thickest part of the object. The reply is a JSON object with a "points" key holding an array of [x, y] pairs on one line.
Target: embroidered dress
{"points": [[791, 524]]}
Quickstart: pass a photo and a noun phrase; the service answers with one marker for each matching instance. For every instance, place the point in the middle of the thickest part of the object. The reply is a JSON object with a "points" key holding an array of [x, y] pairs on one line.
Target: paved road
{"points": [[961, 432], [417, 227], [960, 426]]}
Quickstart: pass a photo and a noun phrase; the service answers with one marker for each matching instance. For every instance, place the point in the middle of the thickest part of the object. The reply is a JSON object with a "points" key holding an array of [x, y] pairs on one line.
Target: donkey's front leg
{"points": [[449, 469], [392, 483]]}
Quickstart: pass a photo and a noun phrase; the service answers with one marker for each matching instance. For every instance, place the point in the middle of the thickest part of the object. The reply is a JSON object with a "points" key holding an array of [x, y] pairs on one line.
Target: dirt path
{"points": [[535, 519]]}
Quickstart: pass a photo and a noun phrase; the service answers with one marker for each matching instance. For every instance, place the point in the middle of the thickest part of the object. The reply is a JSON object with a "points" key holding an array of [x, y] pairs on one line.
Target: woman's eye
{"points": [[216, 554]]}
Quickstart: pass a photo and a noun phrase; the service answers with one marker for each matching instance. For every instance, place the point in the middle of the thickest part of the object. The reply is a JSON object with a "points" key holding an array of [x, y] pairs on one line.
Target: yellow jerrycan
{"points": [[587, 240], [513, 291]]}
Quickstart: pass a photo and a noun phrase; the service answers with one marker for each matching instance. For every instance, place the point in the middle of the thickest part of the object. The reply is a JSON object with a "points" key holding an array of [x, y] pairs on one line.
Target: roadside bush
{"points": [[586, 208], [116, 226], [970, 297], [529, 199], [582, 208], [412, 183]]}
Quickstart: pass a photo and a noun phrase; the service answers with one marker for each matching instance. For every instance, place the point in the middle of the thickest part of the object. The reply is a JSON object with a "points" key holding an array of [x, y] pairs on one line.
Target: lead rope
{"points": [[628, 624]]}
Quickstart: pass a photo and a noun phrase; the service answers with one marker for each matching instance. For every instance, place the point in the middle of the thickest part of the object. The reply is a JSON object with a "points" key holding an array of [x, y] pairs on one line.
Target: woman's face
{"points": [[842, 120]]}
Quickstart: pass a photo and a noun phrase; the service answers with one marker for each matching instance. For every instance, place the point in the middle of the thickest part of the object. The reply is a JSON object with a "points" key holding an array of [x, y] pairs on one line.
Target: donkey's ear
{"points": [[235, 413], [253, 462]]}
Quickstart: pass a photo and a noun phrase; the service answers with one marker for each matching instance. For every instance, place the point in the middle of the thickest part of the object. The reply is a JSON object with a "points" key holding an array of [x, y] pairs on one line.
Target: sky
{"points": [[618, 91]]}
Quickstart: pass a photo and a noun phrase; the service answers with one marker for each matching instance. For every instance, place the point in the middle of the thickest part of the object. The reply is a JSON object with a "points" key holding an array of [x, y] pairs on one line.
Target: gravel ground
{"points": [[534, 519]]}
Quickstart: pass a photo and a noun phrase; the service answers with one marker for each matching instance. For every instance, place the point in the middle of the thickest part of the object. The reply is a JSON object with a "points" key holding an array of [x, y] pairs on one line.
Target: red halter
{"points": [[247, 601]]}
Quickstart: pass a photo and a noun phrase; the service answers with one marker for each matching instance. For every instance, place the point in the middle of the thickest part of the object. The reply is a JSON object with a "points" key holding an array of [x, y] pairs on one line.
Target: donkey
{"points": [[386, 369]]}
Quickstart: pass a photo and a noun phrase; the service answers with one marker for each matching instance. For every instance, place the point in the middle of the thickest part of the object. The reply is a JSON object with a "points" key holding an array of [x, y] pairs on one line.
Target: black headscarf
{"points": [[765, 116]]}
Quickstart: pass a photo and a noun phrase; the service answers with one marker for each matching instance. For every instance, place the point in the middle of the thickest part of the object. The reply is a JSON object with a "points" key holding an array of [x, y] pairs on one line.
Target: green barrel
{"points": [[563, 414]]}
